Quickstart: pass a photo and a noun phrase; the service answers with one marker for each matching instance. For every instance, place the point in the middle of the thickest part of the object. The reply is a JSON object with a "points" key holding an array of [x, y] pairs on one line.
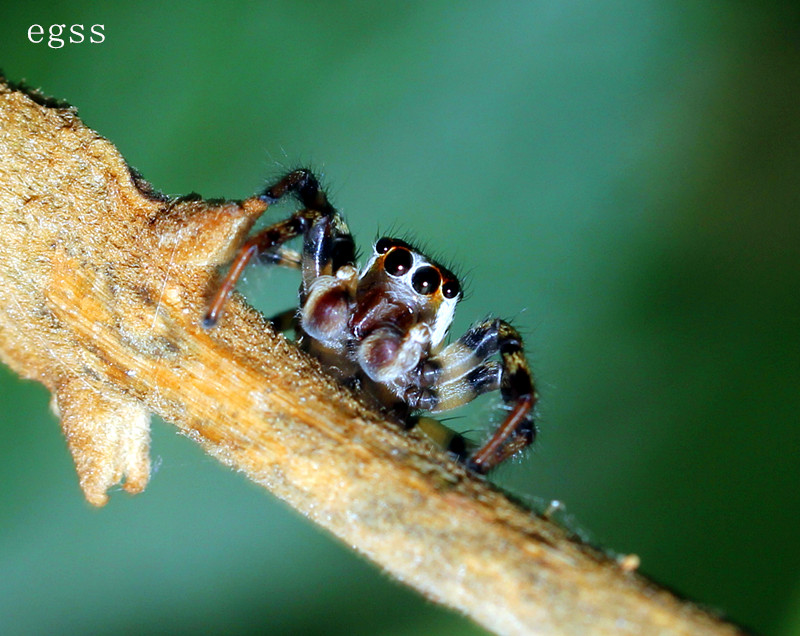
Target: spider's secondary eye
{"points": [[383, 245], [426, 280], [398, 261], [451, 288]]}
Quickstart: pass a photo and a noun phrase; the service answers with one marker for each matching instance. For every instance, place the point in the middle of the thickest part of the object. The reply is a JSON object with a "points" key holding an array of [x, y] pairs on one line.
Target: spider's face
{"points": [[400, 286]]}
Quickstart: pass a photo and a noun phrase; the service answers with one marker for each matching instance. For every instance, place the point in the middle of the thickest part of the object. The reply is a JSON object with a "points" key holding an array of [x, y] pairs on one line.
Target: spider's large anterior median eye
{"points": [[426, 280], [398, 261], [451, 288]]}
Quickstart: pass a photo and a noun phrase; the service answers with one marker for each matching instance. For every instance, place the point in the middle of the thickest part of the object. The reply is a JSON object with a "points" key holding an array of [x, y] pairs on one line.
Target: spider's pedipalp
{"points": [[386, 355], [326, 312]]}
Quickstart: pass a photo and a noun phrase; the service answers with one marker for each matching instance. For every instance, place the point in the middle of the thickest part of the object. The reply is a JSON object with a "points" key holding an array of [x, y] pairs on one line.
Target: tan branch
{"points": [[102, 290]]}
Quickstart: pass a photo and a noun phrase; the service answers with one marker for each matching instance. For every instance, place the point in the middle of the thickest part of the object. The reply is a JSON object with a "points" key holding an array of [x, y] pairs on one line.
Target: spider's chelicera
{"points": [[382, 329]]}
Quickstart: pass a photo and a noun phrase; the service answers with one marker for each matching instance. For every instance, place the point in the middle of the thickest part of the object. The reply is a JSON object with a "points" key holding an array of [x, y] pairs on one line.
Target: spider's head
{"points": [[400, 276]]}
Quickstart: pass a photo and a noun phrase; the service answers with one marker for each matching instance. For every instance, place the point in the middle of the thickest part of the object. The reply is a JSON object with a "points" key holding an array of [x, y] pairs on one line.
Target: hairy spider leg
{"points": [[327, 244], [452, 392], [467, 373], [515, 433], [331, 253], [264, 240], [304, 185]]}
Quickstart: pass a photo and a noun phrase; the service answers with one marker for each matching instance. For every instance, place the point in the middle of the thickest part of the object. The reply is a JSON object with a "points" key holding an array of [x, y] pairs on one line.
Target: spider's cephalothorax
{"points": [[383, 328]]}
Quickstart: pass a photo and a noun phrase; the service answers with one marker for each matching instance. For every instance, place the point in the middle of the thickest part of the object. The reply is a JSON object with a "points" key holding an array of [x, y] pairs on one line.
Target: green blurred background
{"points": [[620, 179]]}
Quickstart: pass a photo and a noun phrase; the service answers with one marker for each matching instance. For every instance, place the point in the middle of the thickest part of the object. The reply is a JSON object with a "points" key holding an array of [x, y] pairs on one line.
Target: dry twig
{"points": [[101, 293]]}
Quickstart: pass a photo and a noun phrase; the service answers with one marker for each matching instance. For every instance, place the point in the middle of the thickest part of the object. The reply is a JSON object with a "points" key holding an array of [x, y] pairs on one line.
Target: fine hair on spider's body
{"points": [[382, 329]]}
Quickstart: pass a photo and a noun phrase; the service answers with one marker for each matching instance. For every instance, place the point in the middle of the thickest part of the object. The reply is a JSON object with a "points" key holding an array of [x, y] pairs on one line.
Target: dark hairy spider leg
{"points": [[514, 434], [516, 386], [268, 238], [304, 185], [328, 244]]}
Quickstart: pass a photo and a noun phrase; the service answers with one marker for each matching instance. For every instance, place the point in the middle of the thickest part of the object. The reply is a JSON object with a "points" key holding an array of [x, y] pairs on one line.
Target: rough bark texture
{"points": [[102, 290]]}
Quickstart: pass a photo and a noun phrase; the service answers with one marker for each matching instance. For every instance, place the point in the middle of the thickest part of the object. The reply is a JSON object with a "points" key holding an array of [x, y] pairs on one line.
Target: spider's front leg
{"points": [[327, 242], [462, 371]]}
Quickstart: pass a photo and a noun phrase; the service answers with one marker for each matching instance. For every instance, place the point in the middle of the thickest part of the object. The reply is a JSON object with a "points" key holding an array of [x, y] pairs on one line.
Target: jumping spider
{"points": [[382, 328]]}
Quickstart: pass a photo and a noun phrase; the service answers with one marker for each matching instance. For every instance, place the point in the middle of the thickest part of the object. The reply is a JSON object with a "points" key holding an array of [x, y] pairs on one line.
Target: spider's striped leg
{"points": [[452, 392], [461, 372]]}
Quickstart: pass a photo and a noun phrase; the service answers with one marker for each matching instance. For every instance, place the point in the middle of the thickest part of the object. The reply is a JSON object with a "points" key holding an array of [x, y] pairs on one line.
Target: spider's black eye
{"points": [[426, 280], [398, 261], [451, 288], [383, 245]]}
